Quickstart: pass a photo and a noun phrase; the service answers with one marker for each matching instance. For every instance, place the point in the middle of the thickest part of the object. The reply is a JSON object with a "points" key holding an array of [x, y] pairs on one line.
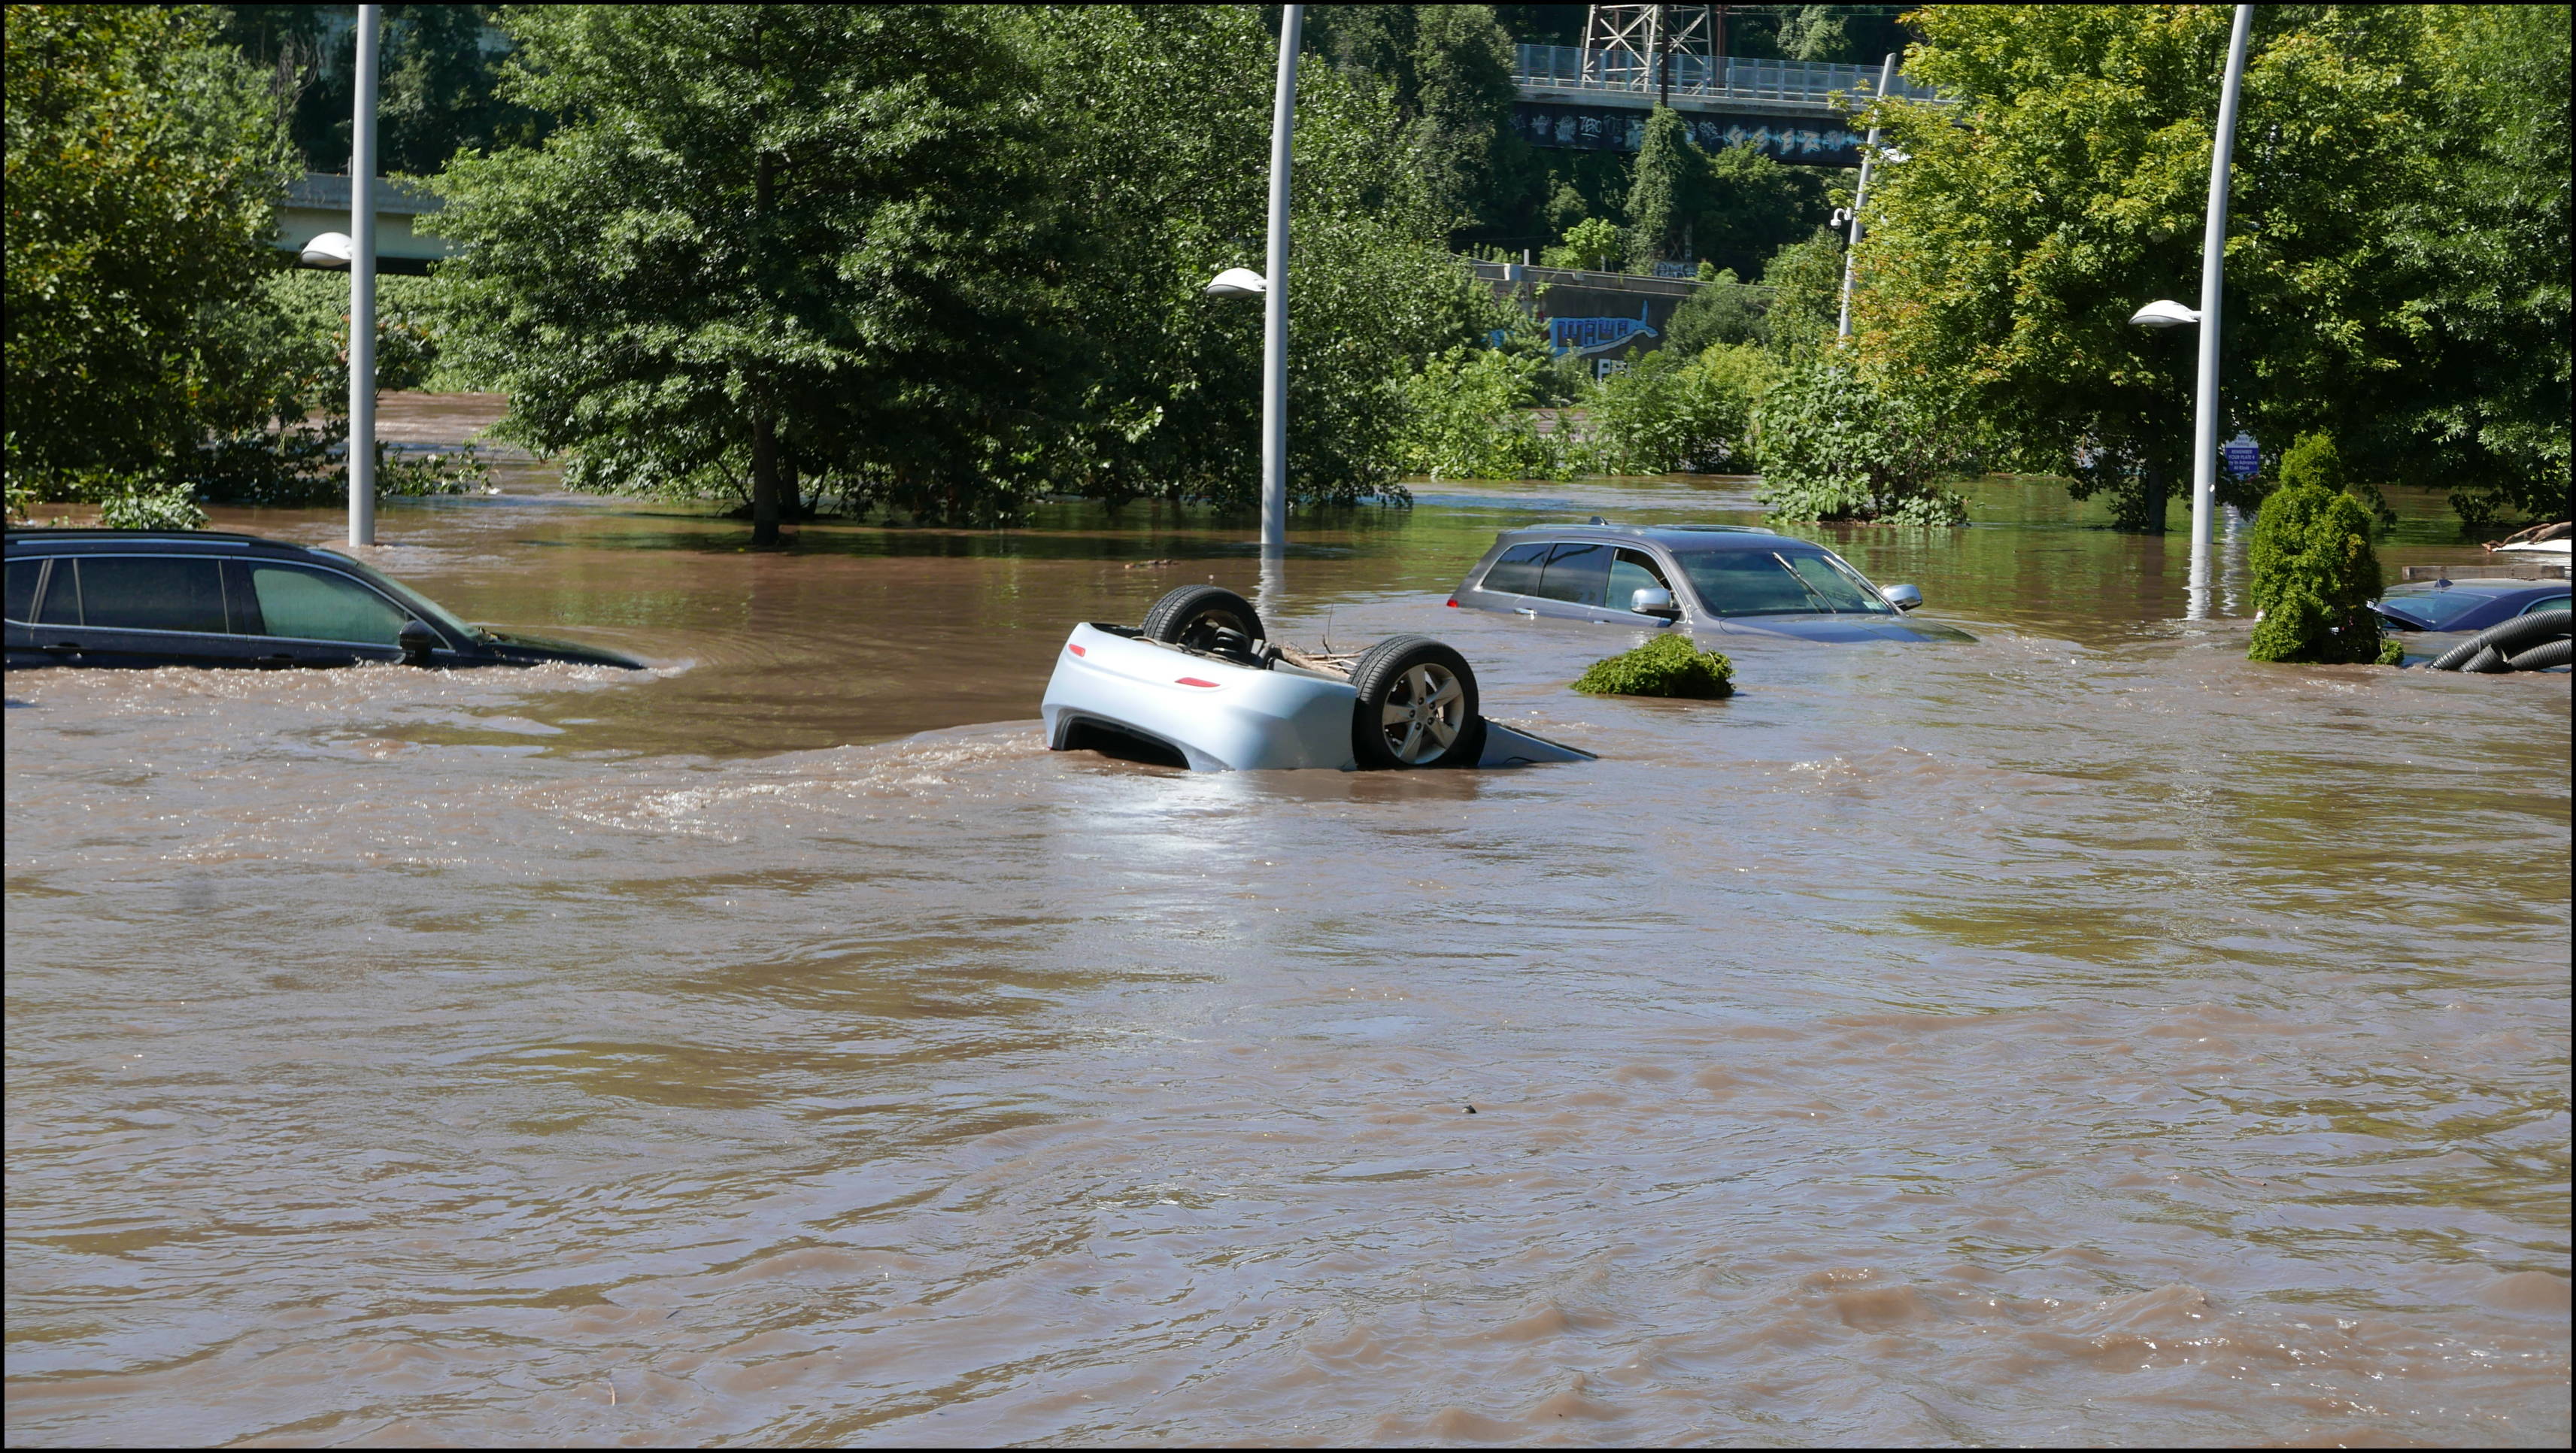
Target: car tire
{"points": [[1417, 707], [1205, 618]]}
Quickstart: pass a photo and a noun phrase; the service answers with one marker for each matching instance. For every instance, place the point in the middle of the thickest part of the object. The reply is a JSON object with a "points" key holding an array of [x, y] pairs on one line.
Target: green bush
{"points": [[1674, 412], [1467, 416], [2315, 574], [1835, 447], [1668, 665], [165, 507]]}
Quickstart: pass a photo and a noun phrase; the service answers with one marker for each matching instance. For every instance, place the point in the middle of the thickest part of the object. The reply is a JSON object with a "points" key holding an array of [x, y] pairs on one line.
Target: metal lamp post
{"points": [[362, 290], [2167, 314], [1274, 303], [1860, 198]]}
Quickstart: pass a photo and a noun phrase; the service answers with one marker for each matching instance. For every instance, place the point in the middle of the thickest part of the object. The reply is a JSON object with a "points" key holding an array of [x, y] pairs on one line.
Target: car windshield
{"points": [[1778, 582], [419, 604], [2437, 608]]}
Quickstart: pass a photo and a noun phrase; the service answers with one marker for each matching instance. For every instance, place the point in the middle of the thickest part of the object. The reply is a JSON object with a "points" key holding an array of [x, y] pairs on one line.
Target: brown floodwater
{"points": [[2080, 1035]]}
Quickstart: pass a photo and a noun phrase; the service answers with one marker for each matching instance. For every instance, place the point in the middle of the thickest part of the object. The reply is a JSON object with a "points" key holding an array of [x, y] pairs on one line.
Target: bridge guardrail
{"points": [[1575, 69]]}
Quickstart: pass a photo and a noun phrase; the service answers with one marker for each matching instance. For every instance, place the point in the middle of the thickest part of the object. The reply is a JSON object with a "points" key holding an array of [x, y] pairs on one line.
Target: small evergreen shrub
{"points": [[1835, 447], [2315, 574], [1668, 665]]}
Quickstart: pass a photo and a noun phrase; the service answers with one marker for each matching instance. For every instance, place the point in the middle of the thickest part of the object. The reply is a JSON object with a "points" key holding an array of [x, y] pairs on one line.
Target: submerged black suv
{"points": [[197, 598]]}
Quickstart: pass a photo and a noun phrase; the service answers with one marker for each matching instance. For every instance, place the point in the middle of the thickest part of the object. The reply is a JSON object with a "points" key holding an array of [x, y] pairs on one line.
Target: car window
{"points": [[1517, 572], [151, 593], [2436, 608], [1762, 582], [2546, 602], [1632, 571], [313, 605], [22, 588], [61, 602], [1577, 573]]}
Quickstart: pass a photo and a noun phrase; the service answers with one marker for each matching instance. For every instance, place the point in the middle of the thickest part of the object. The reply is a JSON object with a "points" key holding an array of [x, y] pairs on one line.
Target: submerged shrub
{"points": [[1835, 447], [1468, 416], [1677, 412], [167, 507], [2315, 574], [1668, 665]]}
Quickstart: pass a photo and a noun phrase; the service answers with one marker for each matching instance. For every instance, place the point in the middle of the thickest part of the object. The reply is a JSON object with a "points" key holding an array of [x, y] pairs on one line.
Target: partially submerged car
{"points": [[2467, 605], [1713, 579], [1199, 685], [138, 598]]}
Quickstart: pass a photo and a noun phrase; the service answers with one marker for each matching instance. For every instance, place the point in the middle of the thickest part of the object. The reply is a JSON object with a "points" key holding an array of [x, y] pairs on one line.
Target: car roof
{"points": [[2483, 586], [68, 541], [1671, 537]]}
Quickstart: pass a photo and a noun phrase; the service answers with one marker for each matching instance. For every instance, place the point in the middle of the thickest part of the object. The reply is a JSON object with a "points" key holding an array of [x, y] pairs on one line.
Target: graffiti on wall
{"points": [[1597, 335], [1618, 128]]}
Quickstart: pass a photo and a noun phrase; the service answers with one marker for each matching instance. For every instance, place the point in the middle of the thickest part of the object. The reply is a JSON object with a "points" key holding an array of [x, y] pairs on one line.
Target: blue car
{"points": [[1707, 579], [2467, 605]]}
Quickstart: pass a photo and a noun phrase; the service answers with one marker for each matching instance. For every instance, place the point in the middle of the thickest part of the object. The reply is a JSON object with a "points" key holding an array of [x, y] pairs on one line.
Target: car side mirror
{"points": [[1653, 601], [1903, 597], [417, 641]]}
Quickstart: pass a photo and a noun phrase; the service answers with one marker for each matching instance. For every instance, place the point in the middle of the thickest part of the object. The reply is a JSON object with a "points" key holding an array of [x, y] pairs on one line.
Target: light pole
{"points": [[2166, 314], [1274, 302], [1860, 196], [362, 290]]}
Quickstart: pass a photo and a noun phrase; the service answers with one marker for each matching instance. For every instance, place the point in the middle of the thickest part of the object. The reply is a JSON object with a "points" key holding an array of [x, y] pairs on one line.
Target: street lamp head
{"points": [[2164, 313], [1238, 282], [329, 250]]}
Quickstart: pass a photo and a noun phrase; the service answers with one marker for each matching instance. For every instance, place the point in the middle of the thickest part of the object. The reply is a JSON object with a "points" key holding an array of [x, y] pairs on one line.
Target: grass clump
{"points": [[1668, 665]]}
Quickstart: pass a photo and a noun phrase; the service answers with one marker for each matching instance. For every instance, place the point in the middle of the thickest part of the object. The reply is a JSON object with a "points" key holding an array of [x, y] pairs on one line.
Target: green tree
{"points": [[1664, 194], [1836, 447], [2068, 186], [1752, 205], [766, 243], [438, 88], [1722, 311], [1448, 73], [2314, 573], [144, 162], [1162, 119], [1676, 412], [1595, 243], [1805, 280]]}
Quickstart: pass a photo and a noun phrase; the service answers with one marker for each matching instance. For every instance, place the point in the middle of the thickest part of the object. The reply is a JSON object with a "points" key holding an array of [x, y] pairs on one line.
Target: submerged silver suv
{"points": [[1717, 579]]}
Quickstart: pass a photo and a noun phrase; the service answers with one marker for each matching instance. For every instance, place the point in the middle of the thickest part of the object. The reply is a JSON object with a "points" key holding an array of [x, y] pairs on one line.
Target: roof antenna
{"points": [[1596, 519]]}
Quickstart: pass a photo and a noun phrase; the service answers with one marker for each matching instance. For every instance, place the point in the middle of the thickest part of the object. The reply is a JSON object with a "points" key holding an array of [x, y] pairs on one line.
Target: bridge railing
{"points": [[1728, 78]]}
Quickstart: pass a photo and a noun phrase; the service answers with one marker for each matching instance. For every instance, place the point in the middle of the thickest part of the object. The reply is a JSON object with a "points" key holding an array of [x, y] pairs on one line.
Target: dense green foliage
{"points": [[1663, 189], [1669, 665], [437, 88], [1721, 311], [2397, 255], [776, 248], [143, 162], [1469, 415], [1676, 412], [166, 507], [1837, 447], [2314, 573]]}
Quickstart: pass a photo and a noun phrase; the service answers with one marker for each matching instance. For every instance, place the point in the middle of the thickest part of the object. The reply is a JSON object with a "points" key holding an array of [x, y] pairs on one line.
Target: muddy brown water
{"points": [[2081, 1035]]}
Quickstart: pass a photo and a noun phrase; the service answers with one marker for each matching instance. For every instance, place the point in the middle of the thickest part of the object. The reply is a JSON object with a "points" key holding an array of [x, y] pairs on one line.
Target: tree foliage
{"points": [[438, 87], [1835, 446], [2006, 254], [1676, 412], [1671, 664], [143, 164], [2314, 573]]}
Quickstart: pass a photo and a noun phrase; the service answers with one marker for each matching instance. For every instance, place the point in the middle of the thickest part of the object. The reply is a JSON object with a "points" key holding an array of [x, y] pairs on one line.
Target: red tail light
{"points": [[1194, 681], [1077, 650], [1453, 602]]}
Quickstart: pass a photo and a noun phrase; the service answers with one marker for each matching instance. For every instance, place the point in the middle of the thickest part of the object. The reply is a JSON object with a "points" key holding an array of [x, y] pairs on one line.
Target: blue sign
{"points": [[2243, 459]]}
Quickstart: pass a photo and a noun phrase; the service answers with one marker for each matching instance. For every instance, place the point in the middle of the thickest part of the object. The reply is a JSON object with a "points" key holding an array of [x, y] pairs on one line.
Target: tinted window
{"points": [[152, 593], [2438, 608], [1763, 582], [2547, 602], [315, 606], [1577, 573], [1516, 573], [22, 588], [1632, 571], [61, 605]]}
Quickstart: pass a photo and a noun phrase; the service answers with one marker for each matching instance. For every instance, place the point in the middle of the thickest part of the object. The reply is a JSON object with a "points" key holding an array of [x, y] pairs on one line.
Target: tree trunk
{"points": [[2151, 514], [764, 480], [764, 423]]}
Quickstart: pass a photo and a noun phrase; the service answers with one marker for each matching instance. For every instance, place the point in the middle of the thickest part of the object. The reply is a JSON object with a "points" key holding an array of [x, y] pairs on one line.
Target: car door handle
{"points": [[60, 647]]}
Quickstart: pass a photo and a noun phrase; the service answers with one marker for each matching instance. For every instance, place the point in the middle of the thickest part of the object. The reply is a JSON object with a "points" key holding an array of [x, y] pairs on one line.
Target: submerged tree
{"points": [[2068, 185], [766, 241], [2314, 573]]}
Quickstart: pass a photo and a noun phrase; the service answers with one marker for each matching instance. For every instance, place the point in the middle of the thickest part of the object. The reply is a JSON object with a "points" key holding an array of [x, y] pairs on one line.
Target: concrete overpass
{"points": [[1598, 100], [318, 202]]}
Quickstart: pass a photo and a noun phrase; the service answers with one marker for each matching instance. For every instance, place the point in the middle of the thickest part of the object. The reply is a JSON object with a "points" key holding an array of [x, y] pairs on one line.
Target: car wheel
{"points": [[1417, 706], [1204, 618]]}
